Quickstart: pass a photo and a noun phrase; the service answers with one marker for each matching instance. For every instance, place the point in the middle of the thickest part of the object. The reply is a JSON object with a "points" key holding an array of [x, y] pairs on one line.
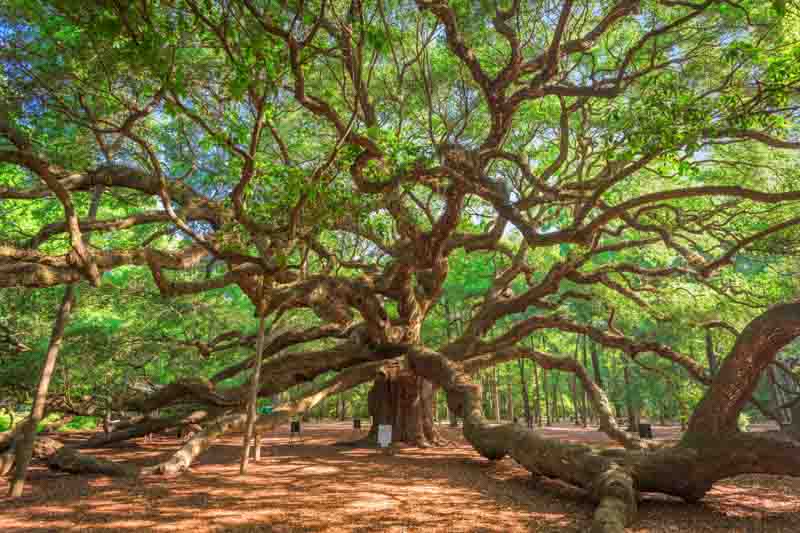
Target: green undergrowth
{"points": [[79, 423]]}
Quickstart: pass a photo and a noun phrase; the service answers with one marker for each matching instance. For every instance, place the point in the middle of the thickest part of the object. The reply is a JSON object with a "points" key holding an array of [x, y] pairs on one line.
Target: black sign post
{"points": [[294, 430], [646, 431]]}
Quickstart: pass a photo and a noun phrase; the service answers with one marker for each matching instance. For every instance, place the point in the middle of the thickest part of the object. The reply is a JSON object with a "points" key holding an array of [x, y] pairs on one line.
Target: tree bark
{"points": [[403, 400], [252, 403], [24, 449], [755, 348]]}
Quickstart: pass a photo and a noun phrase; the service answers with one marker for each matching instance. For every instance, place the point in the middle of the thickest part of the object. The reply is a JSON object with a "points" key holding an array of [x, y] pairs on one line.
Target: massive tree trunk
{"points": [[24, 449], [403, 400]]}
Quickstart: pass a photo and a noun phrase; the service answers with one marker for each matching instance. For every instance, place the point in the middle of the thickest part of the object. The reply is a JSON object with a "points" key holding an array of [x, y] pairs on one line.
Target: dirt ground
{"points": [[312, 485]]}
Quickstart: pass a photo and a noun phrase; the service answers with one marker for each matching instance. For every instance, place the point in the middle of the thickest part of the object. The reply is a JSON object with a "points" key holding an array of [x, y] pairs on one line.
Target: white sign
{"points": [[384, 435]]}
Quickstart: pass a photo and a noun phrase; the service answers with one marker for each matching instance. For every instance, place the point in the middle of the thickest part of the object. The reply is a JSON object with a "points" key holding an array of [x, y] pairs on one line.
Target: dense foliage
{"points": [[605, 191]]}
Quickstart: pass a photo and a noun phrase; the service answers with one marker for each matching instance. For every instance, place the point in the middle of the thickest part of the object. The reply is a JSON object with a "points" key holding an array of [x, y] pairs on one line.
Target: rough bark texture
{"points": [[405, 401], [70, 460], [738, 376], [60, 457]]}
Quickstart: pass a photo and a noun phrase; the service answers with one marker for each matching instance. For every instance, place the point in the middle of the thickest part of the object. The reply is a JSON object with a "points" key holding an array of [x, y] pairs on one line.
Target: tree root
{"points": [[613, 477]]}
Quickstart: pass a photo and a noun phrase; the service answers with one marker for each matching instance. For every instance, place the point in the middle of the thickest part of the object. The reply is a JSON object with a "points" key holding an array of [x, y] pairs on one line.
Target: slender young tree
{"points": [[526, 401], [252, 403], [24, 450]]}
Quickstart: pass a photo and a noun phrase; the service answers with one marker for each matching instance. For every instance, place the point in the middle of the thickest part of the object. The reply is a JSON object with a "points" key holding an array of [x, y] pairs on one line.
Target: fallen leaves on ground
{"points": [[314, 486]]}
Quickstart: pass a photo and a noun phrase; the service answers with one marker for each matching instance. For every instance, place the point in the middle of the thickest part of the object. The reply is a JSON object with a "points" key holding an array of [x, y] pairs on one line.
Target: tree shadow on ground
{"points": [[314, 486]]}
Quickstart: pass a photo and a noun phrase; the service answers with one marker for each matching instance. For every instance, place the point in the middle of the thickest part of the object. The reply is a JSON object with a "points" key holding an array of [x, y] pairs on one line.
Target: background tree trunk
{"points": [[495, 395], [526, 401], [510, 396], [631, 401], [24, 449], [776, 395], [598, 378], [558, 410], [537, 407], [548, 410], [341, 408]]}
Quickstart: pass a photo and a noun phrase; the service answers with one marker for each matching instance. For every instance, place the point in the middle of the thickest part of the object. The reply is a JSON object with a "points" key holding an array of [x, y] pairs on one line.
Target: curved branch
{"points": [[755, 348]]}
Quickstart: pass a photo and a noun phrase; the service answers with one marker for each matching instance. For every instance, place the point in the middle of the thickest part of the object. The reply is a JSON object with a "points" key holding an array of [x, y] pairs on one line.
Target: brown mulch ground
{"points": [[314, 486]]}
